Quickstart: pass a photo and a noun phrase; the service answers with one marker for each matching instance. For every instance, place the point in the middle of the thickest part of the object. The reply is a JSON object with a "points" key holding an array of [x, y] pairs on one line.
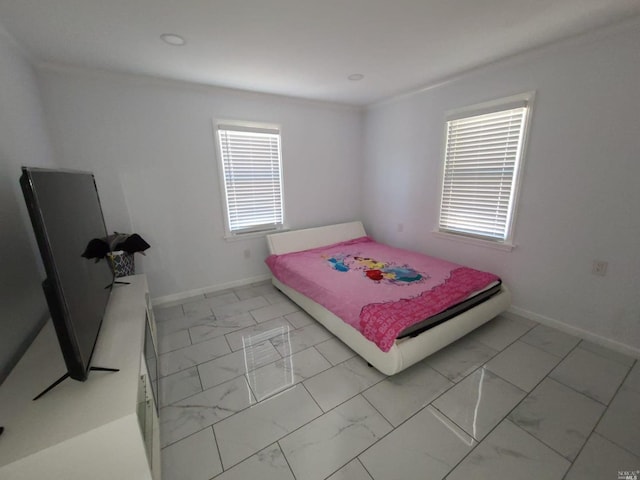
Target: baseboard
{"points": [[577, 332], [177, 297]]}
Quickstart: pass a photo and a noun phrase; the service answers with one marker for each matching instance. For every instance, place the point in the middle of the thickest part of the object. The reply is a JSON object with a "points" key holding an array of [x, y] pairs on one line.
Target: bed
{"points": [[390, 349]]}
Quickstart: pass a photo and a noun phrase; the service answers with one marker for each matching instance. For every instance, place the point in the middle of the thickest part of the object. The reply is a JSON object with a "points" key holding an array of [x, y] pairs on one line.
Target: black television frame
{"points": [[77, 368]]}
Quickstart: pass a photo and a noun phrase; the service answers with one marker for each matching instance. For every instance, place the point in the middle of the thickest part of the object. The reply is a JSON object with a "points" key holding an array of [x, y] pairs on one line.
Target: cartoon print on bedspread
{"points": [[375, 270]]}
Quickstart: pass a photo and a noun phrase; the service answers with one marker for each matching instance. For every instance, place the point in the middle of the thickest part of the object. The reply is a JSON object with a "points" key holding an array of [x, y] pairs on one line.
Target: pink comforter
{"points": [[375, 288]]}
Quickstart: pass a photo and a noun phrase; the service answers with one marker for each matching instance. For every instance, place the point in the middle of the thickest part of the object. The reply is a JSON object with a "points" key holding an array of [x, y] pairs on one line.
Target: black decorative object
{"points": [[118, 249]]}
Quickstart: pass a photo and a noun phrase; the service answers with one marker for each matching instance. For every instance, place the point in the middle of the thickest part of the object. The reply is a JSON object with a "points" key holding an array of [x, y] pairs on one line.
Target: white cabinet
{"points": [[104, 428]]}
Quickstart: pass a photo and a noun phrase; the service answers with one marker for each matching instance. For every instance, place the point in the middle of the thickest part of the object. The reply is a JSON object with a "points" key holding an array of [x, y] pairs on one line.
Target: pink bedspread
{"points": [[377, 289]]}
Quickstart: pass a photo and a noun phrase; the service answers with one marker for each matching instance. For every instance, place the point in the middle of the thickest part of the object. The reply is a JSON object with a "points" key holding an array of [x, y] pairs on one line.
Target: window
{"points": [[252, 178], [483, 159]]}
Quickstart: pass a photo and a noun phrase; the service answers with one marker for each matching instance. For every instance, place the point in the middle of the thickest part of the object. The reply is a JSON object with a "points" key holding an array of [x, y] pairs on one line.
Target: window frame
{"points": [[248, 126], [491, 106]]}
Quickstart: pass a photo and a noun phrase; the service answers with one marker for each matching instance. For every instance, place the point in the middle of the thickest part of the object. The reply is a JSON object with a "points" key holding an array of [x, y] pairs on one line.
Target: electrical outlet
{"points": [[599, 267], [400, 227], [247, 253]]}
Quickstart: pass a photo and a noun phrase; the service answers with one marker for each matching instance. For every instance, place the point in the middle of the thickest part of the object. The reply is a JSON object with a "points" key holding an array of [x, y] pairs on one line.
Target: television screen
{"points": [[66, 215]]}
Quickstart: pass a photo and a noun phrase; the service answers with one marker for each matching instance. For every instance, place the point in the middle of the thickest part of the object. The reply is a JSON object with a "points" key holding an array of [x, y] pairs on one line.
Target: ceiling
{"points": [[301, 48]]}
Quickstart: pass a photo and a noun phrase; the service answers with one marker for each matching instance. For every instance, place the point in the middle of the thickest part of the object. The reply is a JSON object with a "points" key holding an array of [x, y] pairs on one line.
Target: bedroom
{"points": [[150, 143]]}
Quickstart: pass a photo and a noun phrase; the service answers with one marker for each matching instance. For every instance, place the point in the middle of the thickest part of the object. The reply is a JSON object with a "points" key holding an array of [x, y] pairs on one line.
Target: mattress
{"points": [[384, 292], [474, 299]]}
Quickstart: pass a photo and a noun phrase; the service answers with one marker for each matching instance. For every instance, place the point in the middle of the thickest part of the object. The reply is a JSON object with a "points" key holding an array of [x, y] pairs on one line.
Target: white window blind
{"points": [[252, 171], [482, 160]]}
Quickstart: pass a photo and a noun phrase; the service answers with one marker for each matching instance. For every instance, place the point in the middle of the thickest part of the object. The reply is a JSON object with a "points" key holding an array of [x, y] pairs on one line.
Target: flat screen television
{"points": [[66, 215]]}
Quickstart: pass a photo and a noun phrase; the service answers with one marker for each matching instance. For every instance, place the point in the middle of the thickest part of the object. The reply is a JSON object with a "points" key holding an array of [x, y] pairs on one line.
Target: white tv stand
{"points": [[104, 428]]}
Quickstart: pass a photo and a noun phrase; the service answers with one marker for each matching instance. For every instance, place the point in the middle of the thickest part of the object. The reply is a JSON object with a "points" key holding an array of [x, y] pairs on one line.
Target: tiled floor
{"points": [[253, 388]]}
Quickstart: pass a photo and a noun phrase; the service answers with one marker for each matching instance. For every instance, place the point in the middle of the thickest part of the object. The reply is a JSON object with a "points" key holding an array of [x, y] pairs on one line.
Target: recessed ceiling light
{"points": [[355, 77], [173, 39]]}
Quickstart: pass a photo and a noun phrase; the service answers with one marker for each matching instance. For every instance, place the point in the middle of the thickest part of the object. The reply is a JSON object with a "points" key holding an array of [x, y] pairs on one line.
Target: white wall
{"points": [[580, 196], [23, 141], [151, 145]]}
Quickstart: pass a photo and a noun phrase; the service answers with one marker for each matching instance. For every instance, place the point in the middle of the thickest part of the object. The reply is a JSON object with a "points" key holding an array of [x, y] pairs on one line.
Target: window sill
{"points": [[234, 237], [504, 246]]}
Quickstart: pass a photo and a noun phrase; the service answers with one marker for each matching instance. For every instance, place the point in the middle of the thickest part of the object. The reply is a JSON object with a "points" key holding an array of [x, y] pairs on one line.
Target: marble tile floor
{"points": [[253, 388]]}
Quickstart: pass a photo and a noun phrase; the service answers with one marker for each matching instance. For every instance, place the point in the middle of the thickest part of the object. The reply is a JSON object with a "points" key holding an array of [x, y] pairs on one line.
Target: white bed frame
{"points": [[404, 352]]}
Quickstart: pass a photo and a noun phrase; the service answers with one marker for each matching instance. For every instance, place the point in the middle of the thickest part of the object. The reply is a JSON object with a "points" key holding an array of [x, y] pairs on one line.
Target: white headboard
{"points": [[297, 240]]}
